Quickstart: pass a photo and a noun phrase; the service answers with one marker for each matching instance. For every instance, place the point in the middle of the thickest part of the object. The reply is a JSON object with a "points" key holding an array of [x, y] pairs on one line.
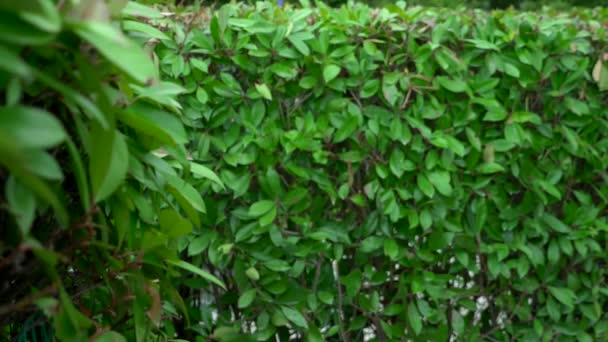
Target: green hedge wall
{"points": [[410, 174]]}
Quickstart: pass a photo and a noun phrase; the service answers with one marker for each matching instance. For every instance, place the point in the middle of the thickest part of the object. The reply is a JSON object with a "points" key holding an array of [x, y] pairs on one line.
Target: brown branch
{"points": [[488, 334], [315, 282], [4, 262], [343, 334], [27, 301]]}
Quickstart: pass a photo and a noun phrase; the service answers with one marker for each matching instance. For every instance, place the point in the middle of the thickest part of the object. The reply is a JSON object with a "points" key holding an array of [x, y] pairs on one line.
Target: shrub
{"points": [[89, 220], [415, 173], [483, 4]]}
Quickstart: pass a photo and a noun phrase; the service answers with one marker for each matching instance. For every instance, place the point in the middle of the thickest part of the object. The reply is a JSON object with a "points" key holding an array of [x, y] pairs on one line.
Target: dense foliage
{"points": [[89, 217], [319, 174], [483, 4], [415, 174]]}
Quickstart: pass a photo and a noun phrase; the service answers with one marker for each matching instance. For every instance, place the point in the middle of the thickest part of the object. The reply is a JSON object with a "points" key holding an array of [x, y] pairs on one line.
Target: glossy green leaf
{"points": [[564, 295], [246, 298], [173, 224], [196, 270], [455, 86], [294, 316], [22, 204], [330, 72], [414, 318], [264, 91], [189, 194], [113, 45], [108, 162], [31, 127], [260, 208]]}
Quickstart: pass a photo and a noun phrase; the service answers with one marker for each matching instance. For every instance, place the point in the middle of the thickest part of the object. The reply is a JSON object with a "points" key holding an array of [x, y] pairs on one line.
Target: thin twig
{"points": [[488, 334], [315, 282], [407, 98], [343, 334]]}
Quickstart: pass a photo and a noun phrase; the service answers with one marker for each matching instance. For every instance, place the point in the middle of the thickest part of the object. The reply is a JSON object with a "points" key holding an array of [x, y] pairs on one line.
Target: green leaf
{"points": [[22, 204], [203, 274], [294, 316], [455, 86], [198, 244], [138, 10], [201, 171], [76, 318], [31, 127], [246, 298], [12, 158], [495, 115], [201, 95], [110, 336], [43, 164], [349, 126], [483, 45], [456, 146], [370, 88], [330, 72], [269, 217], [576, 106], [523, 117], [147, 30], [441, 181], [263, 89], [187, 192], [426, 219], [46, 17], [173, 224], [109, 161], [554, 223], [202, 65], [425, 185], [283, 70], [489, 168], [118, 49], [253, 273], [16, 30], [550, 188], [80, 174], [458, 322], [391, 249], [553, 252], [371, 244], [260, 208], [564, 295], [413, 317], [299, 44], [12, 63]]}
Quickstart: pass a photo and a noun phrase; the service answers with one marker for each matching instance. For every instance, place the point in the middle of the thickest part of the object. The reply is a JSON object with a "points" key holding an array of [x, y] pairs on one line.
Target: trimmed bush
{"points": [[411, 174]]}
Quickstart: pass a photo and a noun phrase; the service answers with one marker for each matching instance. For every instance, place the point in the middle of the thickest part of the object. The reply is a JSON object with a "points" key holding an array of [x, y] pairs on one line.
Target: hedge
{"points": [[314, 174], [402, 173]]}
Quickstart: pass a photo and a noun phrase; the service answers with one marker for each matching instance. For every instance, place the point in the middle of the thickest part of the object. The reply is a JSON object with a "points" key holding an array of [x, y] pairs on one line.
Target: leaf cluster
{"points": [[403, 172]]}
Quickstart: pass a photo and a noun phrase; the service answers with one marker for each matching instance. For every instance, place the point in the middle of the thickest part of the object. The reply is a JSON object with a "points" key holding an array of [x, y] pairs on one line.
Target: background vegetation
{"points": [[257, 172], [482, 4]]}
